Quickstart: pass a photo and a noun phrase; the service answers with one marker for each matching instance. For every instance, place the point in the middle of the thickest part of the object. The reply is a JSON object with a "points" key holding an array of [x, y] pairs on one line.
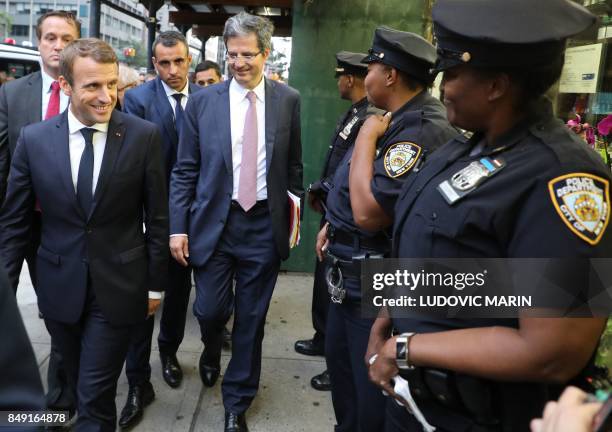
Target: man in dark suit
{"points": [[93, 172], [156, 101], [239, 156], [28, 100], [207, 73], [20, 385]]}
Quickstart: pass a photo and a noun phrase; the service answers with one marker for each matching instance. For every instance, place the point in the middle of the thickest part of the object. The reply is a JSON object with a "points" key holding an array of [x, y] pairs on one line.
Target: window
{"points": [[19, 30]]}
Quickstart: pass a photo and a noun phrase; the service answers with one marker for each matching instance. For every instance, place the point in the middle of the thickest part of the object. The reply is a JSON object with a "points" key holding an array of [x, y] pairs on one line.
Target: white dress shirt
{"points": [[46, 95], [238, 109], [170, 91], [76, 146]]}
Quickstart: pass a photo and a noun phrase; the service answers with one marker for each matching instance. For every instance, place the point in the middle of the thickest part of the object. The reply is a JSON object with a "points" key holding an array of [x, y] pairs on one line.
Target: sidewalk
{"points": [[285, 401]]}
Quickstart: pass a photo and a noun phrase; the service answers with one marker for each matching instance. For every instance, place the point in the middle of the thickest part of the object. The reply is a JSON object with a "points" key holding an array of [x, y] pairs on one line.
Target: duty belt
{"points": [[338, 269], [379, 242], [467, 395]]}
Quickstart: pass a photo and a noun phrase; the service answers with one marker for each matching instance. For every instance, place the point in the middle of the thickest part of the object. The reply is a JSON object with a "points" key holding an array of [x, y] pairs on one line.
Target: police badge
{"points": [[400, 158], [583, 202], [469, 178]]}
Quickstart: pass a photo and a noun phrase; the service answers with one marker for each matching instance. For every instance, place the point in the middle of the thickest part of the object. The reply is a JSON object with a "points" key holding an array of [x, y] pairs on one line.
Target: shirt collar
{"points": [[74, 125], [260, 89], [47, 80], [170, 91], [414, 104]]}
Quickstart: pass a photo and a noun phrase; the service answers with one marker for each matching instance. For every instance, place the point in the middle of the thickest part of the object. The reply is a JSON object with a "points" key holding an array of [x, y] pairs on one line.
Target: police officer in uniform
{"points": [[397, 81], [497, 194], [350, 73]]}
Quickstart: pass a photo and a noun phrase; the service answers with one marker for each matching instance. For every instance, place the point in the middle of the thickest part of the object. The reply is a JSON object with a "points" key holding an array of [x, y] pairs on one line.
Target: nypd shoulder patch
{"points": [[583, 202], [400, 158]]}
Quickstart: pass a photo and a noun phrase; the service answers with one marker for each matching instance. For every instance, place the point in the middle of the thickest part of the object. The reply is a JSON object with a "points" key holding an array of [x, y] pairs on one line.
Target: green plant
{"points": [[604, 353]]}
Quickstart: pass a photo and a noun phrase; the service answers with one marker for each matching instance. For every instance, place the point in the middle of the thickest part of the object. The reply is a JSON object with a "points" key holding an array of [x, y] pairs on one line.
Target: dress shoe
{"points": [[66, 425], [235, 422], [171, 370], [209, 371], [309, 347], [321, 382], [139, 396], [227, 339]]}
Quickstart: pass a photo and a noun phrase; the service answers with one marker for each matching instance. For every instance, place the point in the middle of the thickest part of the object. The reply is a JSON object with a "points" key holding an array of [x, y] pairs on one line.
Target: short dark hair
{"points": [[169, 39], [533, 82], [68, 16], [97, 49], [208, 64], [408, 80]]}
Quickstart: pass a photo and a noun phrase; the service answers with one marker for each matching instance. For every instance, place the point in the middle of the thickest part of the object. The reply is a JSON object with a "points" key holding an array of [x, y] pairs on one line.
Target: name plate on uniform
{"points": [[469, 178]]}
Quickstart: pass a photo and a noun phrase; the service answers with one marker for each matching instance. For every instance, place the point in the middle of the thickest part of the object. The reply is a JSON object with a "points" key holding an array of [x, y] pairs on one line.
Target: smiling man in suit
{"points": [[28, 100], [239, 154], [93, 171], [157, 101]]}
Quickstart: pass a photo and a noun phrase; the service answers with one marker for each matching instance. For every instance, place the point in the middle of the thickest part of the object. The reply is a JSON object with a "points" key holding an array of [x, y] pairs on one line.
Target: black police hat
{"points": [[505, 33], [405, 51], [349, 63]]}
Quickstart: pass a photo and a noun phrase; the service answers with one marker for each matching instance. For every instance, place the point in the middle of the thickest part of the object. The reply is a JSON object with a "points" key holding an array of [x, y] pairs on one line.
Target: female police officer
{"points": [[398, 74], [499, 57]]}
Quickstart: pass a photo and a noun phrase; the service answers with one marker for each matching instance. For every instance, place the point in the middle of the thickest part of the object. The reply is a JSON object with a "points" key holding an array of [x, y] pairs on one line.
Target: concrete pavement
{"points": [[285, 401]]}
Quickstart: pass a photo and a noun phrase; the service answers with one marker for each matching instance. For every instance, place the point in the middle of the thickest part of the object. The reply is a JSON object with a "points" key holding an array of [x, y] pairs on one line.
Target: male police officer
{"points": [[397, 79], [350, 73]]}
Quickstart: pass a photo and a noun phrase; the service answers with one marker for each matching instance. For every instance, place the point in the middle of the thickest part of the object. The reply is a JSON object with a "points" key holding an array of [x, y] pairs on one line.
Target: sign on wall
{"points": [[581, 69]]}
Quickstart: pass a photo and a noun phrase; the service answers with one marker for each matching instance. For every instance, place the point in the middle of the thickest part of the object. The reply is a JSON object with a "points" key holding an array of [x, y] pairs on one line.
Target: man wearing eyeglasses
{"points": [[239, 155], [162, 102]]}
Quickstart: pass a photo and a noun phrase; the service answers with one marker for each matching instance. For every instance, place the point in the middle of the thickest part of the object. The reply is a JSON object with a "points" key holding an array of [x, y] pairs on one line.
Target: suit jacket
{"points": [[20, 385], [149, 102], [20, 103], [107, 246], [202, 179]]}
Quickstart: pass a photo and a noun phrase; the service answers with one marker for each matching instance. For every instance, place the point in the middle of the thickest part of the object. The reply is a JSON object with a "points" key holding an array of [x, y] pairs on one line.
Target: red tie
{"points": [[54, 101], [52, 110]]}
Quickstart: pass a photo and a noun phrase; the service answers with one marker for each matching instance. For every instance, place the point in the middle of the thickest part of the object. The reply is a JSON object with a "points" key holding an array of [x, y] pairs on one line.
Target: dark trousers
{"points": [[358, 404], [320, 301], [59, 396], [93, 351], [246, 253], [171, 326], [400, 420]]}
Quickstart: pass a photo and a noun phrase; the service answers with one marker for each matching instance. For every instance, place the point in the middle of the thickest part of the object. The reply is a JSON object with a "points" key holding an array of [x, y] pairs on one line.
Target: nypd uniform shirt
{"points": [[538, 192], [344, 137], [420, 126]]}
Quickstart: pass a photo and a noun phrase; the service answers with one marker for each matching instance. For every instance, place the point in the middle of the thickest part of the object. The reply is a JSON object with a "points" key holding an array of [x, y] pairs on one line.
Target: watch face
{"points": [[402, 353]]}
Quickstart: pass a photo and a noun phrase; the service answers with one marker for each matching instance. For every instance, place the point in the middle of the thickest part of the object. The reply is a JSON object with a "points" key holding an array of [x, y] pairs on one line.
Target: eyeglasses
{"points": [[246, 57]]}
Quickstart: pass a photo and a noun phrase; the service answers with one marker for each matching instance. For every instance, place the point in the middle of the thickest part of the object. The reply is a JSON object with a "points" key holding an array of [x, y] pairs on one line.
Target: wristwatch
{"points": [[402, 354]]}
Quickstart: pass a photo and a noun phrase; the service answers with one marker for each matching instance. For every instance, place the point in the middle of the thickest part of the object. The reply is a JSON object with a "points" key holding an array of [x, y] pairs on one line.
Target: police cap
{"points": [[405, 51], [503, 33], [349, 63]]}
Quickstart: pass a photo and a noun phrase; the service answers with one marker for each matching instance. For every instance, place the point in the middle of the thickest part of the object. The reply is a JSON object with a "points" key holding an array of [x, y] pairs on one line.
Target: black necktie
{"points": [[86, 167], [178, 112]]}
